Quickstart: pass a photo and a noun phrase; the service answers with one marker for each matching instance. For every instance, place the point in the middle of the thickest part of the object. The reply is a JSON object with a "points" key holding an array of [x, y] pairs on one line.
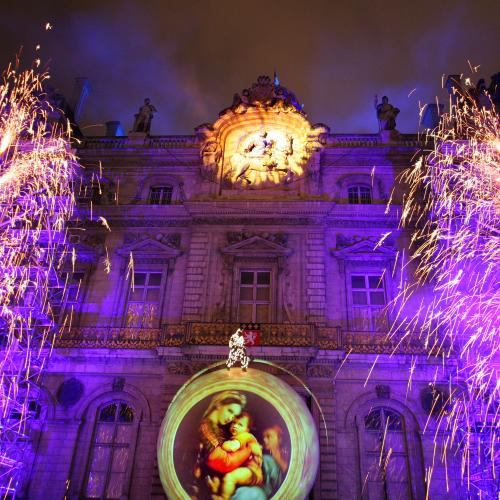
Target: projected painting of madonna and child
{"points": [[237, 435]]}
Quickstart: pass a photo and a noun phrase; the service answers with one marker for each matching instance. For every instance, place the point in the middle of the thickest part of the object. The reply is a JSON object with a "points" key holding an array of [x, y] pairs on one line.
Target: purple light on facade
{"points": [[36, 168]]}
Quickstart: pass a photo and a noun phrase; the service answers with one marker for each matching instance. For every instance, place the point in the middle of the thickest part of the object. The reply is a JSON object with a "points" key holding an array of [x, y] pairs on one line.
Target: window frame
{"points": [[162, 186], [142, 194], [254, 302], [359, 196], [256, 265], [91, 445], [73, 308], [162, 288], [367, 454], [351, 316]]}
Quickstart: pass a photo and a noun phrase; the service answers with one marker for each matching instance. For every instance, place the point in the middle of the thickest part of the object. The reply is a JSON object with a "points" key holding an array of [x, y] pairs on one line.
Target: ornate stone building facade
{"points": [[258, 217]]}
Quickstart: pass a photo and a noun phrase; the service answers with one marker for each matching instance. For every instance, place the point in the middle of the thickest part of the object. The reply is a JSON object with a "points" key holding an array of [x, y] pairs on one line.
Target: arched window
{"points": [[386, 456], [160, 195], [111, 453], [359, 195]]}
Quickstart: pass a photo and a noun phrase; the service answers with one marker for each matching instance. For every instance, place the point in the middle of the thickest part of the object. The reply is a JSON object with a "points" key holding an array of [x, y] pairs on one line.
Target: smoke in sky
{"points": [[191, 57]]}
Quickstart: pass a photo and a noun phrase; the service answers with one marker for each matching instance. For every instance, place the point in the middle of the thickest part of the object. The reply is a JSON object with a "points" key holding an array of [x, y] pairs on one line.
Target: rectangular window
{"points": [[368, 303], [359, 195], [66, 294], [255, 294], [143, 303], [161, 195]]}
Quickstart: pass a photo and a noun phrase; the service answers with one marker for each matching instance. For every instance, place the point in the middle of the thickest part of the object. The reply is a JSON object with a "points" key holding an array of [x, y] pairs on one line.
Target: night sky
{"points": [[190, 57]]}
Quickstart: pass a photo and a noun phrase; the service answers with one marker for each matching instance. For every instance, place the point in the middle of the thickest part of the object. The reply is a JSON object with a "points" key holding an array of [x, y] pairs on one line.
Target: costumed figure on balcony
{"points": [[237, 350]]}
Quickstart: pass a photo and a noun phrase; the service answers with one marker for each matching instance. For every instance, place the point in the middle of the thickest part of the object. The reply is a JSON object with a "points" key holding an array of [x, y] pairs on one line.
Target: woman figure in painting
{"points": [[213, 461]]}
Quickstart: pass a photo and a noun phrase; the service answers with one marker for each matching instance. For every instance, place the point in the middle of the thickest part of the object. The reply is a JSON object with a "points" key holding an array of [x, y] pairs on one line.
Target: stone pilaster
{"points": [[315, 276], [327, 440], [157, 491], [196, 277]]}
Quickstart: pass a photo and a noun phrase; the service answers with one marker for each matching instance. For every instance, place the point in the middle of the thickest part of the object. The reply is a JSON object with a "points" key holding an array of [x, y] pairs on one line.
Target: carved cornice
{"points": [[320, 370], [145, 222], [148, 222], [367, 223], [189, 367], [256, 221]]}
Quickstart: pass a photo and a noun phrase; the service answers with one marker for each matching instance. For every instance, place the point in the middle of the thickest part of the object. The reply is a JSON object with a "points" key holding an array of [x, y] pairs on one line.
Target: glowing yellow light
{"points": [[176, 476]]}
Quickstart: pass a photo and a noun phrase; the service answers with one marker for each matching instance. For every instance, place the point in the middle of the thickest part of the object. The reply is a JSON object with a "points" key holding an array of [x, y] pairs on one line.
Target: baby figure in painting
{"points": [[250, 473]]}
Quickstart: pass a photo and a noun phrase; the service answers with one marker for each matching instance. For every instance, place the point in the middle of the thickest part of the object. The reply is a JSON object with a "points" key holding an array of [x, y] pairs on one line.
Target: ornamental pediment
{"points": [[368, 248], [256, 246], [148, 247]]}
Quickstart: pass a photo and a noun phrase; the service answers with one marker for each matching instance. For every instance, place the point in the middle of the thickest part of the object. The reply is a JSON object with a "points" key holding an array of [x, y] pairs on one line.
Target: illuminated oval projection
{"points": [[263, 140], [239, 435], [266, 150]]}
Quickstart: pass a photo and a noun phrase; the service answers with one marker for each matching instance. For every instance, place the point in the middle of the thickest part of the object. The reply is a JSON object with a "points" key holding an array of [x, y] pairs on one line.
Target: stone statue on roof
{"points": [[386, 114], [143, 119]]}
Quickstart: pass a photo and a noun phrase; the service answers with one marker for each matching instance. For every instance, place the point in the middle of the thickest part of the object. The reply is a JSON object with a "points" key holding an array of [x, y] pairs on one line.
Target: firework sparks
{"points": [[453, 209], [36, 168]]}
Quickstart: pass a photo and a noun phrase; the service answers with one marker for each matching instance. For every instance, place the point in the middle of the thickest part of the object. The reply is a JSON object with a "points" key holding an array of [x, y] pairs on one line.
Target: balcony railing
{"points": [[189, 141], [217, 334]]}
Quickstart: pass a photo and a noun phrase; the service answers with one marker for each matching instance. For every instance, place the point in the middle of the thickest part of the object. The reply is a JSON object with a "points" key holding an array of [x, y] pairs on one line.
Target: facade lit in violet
{"points": [[259, 217]]}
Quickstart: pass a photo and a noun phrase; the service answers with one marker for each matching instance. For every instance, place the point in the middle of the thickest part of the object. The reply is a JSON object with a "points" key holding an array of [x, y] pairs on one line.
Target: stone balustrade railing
{"points": [[217, 334], [372, 140], [155, 142], [189, 141]]}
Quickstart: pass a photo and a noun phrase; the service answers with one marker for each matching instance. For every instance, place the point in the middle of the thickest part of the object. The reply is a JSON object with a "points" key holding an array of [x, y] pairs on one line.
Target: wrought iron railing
{"points": [[217, 334]]}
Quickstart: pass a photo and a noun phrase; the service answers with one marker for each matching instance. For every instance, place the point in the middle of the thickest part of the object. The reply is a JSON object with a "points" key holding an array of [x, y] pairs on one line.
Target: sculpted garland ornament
{"points": [[262, 140]]}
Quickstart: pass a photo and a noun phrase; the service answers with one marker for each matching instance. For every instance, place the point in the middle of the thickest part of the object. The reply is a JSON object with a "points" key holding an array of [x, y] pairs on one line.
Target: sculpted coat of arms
{"points": [[262, 140]]}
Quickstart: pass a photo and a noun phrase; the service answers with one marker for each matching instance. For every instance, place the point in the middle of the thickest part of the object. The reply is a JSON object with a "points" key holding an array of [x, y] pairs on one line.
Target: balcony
{"points": [[217, 334]]}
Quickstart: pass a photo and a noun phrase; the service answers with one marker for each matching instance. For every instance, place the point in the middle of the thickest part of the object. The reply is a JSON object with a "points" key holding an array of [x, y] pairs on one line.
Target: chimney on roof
{"points": [[431, 115], [114, 129], [81, 91], [454, 86]]}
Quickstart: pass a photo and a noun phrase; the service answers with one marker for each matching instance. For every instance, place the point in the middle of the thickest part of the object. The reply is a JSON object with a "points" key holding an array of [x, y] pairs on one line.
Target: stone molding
{"points": [[150, 251], [148, 222], [349, 249], [256, 246]]}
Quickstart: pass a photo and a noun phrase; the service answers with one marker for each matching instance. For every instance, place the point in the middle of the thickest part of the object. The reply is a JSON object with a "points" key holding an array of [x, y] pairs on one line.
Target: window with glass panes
{"points": [[255, 296], [160, 195], [65, 295], [368, 302], [143, 305], [111, 452], [359, 195], [386, 455]]}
